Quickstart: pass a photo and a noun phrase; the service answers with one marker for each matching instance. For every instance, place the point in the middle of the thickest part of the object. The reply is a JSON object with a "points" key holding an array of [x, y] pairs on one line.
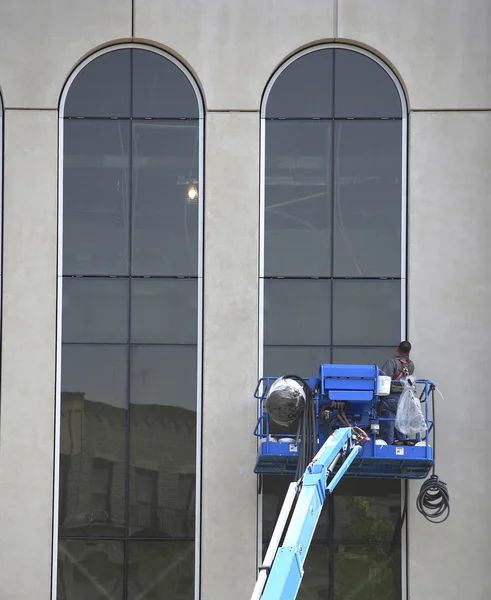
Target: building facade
{"points": [[196, 193]]}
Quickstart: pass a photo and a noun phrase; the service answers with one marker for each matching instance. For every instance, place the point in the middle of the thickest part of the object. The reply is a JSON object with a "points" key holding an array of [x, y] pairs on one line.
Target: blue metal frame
{"points": [[357, 385]]}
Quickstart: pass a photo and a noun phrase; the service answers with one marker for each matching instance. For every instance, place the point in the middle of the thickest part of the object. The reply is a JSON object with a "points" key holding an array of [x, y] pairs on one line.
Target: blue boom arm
{"points": [[282, 571]]}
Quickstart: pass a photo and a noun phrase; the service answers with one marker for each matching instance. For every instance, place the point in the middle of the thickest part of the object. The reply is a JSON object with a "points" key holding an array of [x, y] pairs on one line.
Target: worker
{"points": [[397, 368]]}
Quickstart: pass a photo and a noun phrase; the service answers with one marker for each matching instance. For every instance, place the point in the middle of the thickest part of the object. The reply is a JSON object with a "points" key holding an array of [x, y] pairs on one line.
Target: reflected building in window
{"points": [[131, 282]]}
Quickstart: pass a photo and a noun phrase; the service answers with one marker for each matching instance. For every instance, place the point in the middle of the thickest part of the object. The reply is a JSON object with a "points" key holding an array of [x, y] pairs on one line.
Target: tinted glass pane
{"points": [[367, 200], [95, 310], [315, 582], [165, 222], [90, 570], [93, 425], [298, 198], [303, 361], [363, 88], [158, 570], [304, 88], [367, 510], [96, 192], [102, 88], [160, 88], [361, 356], [367, 571], [163, 438], [164, 311], [274, 491], [297, 311], [366, 312]]}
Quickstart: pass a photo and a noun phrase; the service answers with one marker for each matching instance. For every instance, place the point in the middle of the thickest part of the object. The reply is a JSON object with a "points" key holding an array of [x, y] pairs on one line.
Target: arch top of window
{"points": [[332, 83], [132, 82]]}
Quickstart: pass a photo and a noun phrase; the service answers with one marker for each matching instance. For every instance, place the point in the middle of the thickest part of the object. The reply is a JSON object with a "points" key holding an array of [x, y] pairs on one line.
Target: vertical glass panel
{"points": [[303, 361], [274, 492], [160, 88], [164, 311], [363, 88], [367, 571], [158, 570], [367, 199], [163, 436], [90, 570], [96, 183], [367, 510], [297, 311], [93, 428], [298, 198], [366, 312], [95, 310], [315, 582], [304, 88], [362, 355], [102, 88], [165, 221]]}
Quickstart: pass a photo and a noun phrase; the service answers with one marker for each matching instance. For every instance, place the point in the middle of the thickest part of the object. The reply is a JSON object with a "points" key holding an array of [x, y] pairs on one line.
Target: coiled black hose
{"points": [[434, 500]]}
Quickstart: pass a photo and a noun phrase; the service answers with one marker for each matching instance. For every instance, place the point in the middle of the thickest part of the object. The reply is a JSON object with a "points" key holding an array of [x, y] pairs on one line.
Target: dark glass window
{"points": [[129, 330], [333, 196]]}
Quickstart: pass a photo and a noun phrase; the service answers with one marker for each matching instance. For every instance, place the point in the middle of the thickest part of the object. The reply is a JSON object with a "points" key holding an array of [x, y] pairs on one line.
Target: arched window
{"points": [[130, 267], [333, 275]]}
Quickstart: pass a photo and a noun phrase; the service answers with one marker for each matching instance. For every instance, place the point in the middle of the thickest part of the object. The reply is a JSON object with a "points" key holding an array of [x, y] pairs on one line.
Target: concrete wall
{"points": [[441, 50]]}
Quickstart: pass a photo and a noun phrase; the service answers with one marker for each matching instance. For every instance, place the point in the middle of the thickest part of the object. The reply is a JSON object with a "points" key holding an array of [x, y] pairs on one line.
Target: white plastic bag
{"points": [[409, 417]]}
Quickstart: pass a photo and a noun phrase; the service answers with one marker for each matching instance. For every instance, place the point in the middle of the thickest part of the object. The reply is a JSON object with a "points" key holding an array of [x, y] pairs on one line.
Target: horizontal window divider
{"points": [[173, 277], [159, 344], [92, 539], [328, 278], [86, 118], [332, 118]]}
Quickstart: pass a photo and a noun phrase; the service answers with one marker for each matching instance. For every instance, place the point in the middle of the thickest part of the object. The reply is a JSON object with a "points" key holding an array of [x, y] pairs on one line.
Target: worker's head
{"points": [[404, 348]]}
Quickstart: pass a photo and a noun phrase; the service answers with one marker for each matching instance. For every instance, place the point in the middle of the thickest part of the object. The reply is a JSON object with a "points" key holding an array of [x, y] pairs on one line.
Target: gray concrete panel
{"points": [[234, 46], [42, 42], [28, 354], [449, 326], [440, 47], [230, 356]]}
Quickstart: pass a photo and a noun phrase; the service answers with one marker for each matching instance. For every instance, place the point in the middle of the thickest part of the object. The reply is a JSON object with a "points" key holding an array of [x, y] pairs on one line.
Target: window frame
{"points": [[404, 243], [59, 299]]}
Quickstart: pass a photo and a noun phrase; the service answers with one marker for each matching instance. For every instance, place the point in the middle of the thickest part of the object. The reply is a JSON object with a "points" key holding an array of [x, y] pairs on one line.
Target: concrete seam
{"points": [[232, 110], [449, 110], [29, 108], [335, 17]]}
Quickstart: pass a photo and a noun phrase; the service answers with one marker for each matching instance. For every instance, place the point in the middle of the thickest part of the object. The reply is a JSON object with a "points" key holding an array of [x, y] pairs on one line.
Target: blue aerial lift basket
{"points": [[356, 389]]}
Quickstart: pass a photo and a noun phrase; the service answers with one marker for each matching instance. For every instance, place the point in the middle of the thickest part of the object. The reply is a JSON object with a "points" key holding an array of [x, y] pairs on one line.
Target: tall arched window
{"points": [[130, 267], [333, 277]]}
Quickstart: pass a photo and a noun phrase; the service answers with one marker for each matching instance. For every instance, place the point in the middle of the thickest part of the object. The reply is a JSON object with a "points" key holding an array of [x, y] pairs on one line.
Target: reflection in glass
{"points": [[366, 311], [160, 88], [165, 162], [315, 582], [95, 310], [298, 198], [363, 88], [102, 88], [163, 440], [159, 570], [90, 570], [367, 200], [93, 447], [367, 571], [367, 510], [361, 355], [303, 361], [304, 88], [96, 183], [285, 324], [164, 311]]}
